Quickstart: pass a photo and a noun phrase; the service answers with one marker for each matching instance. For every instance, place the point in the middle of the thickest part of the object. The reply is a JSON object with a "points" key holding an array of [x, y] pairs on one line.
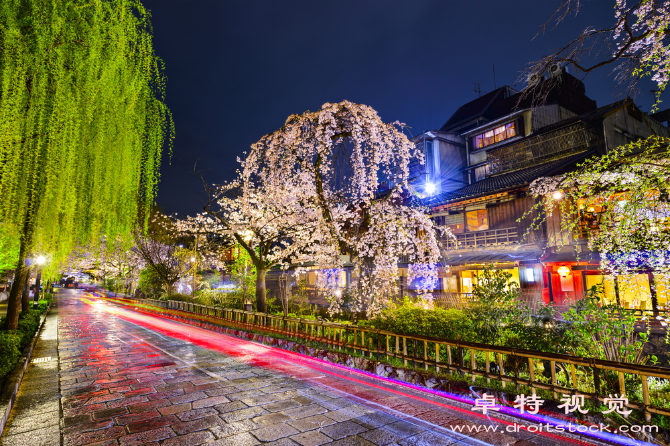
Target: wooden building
{"points": [[504, 154]]}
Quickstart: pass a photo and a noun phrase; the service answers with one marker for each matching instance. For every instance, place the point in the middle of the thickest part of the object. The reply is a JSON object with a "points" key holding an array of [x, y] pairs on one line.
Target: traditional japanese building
{"points": [[492, 216]]}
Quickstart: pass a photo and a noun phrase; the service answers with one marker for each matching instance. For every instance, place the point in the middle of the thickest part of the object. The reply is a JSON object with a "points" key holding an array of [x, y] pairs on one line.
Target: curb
{"points": [[11, 389]]}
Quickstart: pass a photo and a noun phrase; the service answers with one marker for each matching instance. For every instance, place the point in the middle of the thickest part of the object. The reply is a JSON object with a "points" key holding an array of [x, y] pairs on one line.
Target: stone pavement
{"points": [[125, 379], [35, 417], [119, 385]]}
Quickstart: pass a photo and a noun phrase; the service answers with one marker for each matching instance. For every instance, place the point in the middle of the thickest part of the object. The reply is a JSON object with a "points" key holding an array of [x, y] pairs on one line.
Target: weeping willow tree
{"points": [[82, 124]]}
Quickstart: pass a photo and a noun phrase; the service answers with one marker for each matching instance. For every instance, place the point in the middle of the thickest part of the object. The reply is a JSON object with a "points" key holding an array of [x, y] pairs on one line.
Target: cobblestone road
{"points": [[144, 380]]}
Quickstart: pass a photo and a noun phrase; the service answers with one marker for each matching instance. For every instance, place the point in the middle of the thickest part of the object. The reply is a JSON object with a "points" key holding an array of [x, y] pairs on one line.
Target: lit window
{"points": [[530, 275], [496, 135]]}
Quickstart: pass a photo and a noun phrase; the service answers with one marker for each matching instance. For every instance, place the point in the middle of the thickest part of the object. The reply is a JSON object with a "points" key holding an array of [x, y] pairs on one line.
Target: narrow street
{"points": [[128, 378]]}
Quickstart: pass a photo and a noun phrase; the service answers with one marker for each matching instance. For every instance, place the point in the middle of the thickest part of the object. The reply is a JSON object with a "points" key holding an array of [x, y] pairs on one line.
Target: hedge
{"points": [[12, 342]]}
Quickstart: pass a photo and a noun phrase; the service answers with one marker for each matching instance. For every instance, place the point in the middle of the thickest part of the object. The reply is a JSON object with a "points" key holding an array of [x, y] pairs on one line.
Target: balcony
{"points": [[480, 239]]}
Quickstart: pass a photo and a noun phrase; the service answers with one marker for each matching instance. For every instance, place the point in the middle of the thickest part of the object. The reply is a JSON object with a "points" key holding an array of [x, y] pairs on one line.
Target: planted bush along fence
{"points": [[595, 379]]}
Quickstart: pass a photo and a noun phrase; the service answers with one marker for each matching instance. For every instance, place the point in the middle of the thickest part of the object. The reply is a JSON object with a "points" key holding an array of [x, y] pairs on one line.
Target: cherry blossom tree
{"points": [[271, 224], [118, 260], [165, 251], [622, 200], [329, 164], [637, 44], [307, 194]]}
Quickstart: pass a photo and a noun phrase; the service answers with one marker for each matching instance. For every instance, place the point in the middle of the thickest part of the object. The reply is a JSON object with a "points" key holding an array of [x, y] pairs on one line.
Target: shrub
{"points": [[10, 352], [29, 321], [12, 343], [495, 306], [411, 318], [220, 299], [178, 297]]}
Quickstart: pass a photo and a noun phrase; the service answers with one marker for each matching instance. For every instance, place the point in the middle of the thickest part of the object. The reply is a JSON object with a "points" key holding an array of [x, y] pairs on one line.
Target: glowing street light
{"points": [[557, 195], [430, 188], [40, 260]]}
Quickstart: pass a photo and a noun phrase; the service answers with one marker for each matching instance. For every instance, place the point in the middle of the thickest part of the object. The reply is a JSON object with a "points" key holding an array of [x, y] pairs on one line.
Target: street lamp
{"points": [[40, 260], [194, 267]]}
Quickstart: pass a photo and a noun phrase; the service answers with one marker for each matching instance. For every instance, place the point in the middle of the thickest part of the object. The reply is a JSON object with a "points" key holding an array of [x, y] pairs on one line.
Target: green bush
{"points": [[29, 321], [410, 318], [10, 352], [178, 297], [219, 299], [12, 343]]}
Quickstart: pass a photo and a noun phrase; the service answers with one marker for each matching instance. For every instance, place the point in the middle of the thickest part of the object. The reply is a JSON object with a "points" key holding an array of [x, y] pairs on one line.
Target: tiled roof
{"points": [[569, 94], [509, 180]]}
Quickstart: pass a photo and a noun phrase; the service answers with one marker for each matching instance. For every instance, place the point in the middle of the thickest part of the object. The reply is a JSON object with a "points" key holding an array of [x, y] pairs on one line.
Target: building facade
{"points": [[508, 144]]}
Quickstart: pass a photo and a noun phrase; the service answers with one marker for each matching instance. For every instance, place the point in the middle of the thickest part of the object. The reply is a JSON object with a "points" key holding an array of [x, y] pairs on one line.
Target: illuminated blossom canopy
{"points": [[637, 44], [309, 193], [623, 200], [334, 160]]}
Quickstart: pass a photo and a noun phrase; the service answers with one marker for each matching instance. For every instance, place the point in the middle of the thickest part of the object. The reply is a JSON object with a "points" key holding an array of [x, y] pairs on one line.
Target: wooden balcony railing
{"points": [[548, 371], [478, 239]]}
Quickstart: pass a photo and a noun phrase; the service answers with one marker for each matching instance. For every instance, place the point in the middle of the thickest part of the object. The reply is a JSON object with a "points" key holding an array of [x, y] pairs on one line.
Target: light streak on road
{"points": [[267, 356]]}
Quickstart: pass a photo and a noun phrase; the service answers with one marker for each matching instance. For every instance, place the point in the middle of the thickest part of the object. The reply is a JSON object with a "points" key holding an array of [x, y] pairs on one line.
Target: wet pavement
{"points": [[127, 379], [35, 417]]}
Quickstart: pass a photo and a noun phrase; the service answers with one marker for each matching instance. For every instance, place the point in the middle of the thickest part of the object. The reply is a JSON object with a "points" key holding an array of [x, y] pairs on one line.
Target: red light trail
{"points": [[285, 361]]}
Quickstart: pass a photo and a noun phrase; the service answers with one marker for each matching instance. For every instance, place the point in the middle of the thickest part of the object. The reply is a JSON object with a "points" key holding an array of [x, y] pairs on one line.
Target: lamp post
{"points": [[40, 261], [194, 269]]}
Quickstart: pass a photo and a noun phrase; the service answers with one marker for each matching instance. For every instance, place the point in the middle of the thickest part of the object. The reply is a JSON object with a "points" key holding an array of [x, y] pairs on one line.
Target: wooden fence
{"points": [[595, 379]]}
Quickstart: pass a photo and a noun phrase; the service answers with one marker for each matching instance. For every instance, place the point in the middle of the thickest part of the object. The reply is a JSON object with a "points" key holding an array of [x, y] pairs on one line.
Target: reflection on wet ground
{"points": [[129, 378]]}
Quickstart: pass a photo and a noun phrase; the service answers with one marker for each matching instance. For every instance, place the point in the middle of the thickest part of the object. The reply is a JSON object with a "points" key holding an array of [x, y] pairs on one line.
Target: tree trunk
{"points": [[25, 297], [261, 303], [14, 300]]}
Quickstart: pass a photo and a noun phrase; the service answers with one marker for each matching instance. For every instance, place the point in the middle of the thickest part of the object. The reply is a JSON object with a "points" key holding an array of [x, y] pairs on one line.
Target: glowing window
{"points": [[498, 134], [530, 275]]}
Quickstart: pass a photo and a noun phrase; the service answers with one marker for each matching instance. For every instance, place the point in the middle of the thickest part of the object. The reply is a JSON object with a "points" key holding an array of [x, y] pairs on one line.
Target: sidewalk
{"points": [[35, 418]]}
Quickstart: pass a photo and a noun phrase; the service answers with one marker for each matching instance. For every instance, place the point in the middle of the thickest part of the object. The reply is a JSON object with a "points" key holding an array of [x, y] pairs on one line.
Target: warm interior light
{"points": [[40, 260], [530, 275], [563, 271], [430, 188], [557, 195]]}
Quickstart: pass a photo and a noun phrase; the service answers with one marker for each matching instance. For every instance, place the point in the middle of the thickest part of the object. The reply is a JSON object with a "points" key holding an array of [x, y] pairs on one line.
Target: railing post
{"points": [[531, 373], [472, 364], [448, 357], [645, 398], [437, 357], [502, 369], [553, 377], [404, 350], [488, 366], [425, 355], [596, 378]]}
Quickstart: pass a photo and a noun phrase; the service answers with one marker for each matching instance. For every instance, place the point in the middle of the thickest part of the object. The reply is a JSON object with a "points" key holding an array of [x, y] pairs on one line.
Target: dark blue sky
{"points": [[237, 69]]}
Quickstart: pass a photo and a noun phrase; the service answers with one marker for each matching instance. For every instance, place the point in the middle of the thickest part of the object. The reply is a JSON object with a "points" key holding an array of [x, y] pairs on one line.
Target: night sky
{"points": [[237, 69]]}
